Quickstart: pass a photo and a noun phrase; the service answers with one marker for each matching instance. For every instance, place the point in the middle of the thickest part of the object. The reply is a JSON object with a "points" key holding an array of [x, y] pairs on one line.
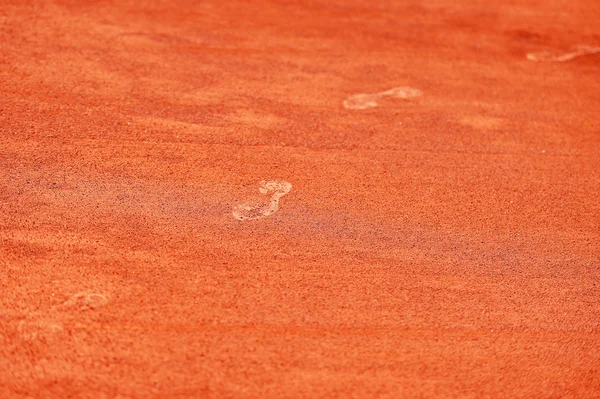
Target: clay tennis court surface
{"points": [[299, 199]]}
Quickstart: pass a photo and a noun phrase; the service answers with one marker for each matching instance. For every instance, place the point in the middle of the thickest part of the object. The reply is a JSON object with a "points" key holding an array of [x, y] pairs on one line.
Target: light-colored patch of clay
{"points": [[39, 329], [362, 101], [481, 122], [403, 92], [86, 301], [368, 100], [250, 211], [249, 117], [548, 56]]}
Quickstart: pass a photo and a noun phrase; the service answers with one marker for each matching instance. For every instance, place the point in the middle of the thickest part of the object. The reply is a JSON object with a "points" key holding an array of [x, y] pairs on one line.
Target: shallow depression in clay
{"points": [[371, 100], [556, 56], [86, 301], [274, 189]]}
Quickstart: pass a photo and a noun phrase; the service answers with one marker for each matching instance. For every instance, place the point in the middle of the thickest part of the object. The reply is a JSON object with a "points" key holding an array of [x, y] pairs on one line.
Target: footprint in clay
{"points": [[274, 189]]}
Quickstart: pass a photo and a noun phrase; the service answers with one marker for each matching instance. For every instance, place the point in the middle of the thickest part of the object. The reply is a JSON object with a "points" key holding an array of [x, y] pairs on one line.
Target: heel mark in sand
{"points": [[371, 100], [250, 211]]}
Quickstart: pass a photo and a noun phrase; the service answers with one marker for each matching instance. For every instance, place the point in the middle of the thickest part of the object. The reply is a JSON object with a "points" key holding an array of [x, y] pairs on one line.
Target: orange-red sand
{"points": [[445, 244]]}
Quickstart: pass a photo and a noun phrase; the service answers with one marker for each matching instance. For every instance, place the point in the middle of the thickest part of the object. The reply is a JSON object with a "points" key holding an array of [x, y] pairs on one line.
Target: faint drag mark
{"points": [[367, 100], [39, 328], [548, 56], [85, 301], [250, 210], [48, 326]]}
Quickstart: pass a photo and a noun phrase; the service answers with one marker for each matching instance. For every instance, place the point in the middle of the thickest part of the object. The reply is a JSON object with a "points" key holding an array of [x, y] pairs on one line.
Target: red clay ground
{"points": [[445, 245]]}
